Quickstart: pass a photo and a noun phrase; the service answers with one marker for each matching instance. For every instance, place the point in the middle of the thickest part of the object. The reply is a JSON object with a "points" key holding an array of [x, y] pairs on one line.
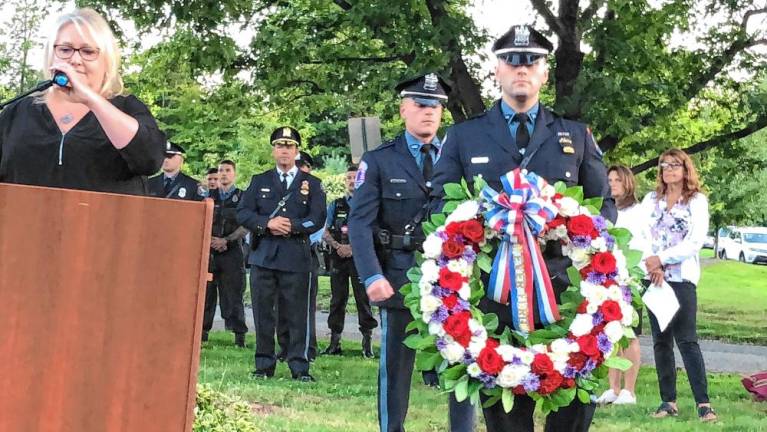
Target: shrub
{"points": [[218, 412]]}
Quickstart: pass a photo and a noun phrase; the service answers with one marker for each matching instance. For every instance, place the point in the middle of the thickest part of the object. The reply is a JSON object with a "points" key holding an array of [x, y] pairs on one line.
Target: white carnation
{"points": [[476, 346], [512, 375], [465, 211], [559, 360], [432, 246], [474, 370], [453, 352], [628, 312], [560, 232], [580, 256], [621, 264], [614, 331], [615, 293], [588, 289], [430, 303], [429, 271], [599, 244], [460, 266], [465, 291], [436, 328], [568, 207], [582, 324], [426, 317], [561, 346], [539, 348], [548, 191], [507, 352], [425, 286], [592, 308], [526, 356], [585, 211]]}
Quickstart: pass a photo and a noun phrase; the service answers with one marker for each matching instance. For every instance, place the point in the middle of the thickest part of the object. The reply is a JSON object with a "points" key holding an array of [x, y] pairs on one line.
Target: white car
{"points": [[746, 245]]}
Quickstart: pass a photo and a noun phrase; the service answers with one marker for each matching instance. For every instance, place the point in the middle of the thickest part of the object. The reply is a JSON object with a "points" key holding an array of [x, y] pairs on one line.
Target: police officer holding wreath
{"points": [[282, 207], [390, 201], [518, 131]]}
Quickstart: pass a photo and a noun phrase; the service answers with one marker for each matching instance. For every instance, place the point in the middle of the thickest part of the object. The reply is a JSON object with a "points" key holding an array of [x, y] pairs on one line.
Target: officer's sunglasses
{"points": [[520, 59]]}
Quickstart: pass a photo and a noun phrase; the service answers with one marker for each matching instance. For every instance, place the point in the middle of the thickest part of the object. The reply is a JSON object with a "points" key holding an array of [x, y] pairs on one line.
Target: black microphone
{"points": [[59, 78]]}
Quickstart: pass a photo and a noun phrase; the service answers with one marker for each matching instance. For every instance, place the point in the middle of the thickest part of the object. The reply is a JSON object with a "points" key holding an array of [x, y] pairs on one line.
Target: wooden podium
{"points": [[102, 298]]}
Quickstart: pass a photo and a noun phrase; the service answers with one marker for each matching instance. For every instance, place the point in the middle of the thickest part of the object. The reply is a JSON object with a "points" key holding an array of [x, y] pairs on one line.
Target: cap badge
{"points": [[286, 132], [521, 36], [430, 82]]}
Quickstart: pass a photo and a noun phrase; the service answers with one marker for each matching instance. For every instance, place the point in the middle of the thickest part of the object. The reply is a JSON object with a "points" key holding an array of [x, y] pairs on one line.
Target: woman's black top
{"points": [[33, 151]]}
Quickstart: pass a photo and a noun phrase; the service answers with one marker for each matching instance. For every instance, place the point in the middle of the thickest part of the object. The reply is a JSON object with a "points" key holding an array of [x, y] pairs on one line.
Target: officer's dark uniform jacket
{"points": [[484, 146], [392, 194], [339, 226], [225, 219], [183, 187], [305, 207]]}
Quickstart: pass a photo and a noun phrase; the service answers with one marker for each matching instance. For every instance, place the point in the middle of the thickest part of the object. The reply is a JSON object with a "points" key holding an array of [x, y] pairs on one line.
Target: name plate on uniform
{"points": [[480, 160]]}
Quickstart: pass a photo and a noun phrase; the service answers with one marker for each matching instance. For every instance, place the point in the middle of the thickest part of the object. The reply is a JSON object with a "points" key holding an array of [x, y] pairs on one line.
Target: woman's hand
{"points": [[78, 90], [653, 263]]}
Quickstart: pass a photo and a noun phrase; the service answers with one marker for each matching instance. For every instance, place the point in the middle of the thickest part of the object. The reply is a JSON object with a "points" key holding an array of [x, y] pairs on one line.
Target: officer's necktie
{"points": [[166, 186], [285, 181], [523, 135], [428, 164]]}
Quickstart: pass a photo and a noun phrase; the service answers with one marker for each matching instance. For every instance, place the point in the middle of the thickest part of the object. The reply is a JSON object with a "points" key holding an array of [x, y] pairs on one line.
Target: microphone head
{"points": [[60, 79]]}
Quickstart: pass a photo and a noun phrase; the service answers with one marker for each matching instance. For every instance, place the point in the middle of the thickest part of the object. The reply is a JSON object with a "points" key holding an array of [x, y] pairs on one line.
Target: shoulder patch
{"points": [[360, 178]]}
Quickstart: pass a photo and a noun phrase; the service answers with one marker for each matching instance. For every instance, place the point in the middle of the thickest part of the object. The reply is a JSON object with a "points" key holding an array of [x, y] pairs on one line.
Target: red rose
{"points": [[542, 365], [492, 343], [577, 360], [568, 383], [473, 230], [457, 325], [598, 329], [519, 390], [603, 262], [611, 310], [453, 228], [452, 248], [594, 234], [588, 345], [450, 301], [580, 225], [609, 282], [550, 383], [450, 280], [558, 221], [463, 339], [490, 361], [585, 271], [557, 196], [582, 307]]}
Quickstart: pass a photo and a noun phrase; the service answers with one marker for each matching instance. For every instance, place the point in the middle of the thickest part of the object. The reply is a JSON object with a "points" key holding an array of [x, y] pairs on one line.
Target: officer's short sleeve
{"points": [[363, 216], [447, 170], [593, 177]]}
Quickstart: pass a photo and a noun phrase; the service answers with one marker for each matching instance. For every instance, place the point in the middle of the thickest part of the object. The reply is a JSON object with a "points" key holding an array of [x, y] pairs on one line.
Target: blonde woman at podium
{"points": [[82, 132]]}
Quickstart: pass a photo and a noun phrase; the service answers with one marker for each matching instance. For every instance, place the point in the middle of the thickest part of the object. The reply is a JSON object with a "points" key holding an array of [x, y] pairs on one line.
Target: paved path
{"points": [[719, 357]]}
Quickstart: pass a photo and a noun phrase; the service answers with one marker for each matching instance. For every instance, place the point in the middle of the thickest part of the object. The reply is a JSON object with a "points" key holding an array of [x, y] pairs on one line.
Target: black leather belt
{"points": [[406, 242]]}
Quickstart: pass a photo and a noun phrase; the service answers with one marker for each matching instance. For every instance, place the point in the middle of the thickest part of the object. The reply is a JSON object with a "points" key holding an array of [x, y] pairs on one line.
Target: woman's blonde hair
{"points": [[690, 184], [626, 177], [88, 22]]}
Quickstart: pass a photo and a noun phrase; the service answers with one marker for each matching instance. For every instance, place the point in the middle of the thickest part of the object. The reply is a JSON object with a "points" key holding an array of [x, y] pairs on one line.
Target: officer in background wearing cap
{"points": [[226, 260], [391, 199], [282, 207], [172, 183], [304, 162], [517, 131]]}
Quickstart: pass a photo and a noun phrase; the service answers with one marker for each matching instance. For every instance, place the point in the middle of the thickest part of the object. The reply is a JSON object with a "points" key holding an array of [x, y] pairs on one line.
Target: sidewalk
{"points": [[719, 356]]}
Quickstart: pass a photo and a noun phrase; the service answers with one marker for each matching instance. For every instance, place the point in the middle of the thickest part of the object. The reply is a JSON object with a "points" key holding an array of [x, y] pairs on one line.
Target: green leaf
{"points": [[560, 187], [485, 262], [462, 389], [450, 206], [479, 184], [575, 192], [507, 398], [455, 191], [414, 274], [619, 363], [428, 227], [584, 396], [490, 321], [622, 235], [491, 401], [454, 372], [633, 258], [595, 202], [425, 361], [486, 248], [438, 219], [575, 276]]}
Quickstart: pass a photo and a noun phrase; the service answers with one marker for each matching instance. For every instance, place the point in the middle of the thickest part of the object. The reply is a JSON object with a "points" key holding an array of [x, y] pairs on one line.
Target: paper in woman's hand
{"points": [[662, 302]]}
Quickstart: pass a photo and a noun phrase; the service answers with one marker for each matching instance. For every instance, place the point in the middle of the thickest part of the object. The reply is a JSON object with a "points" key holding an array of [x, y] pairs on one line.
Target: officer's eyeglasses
{"points": [[520, 59], [65, 52], [671, 165]]}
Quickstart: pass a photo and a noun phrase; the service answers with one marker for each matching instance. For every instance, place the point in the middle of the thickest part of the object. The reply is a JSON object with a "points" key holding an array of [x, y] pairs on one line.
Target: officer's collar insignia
{"points": [[521, 36], [235, 198], [430, 82], [305, 187]]}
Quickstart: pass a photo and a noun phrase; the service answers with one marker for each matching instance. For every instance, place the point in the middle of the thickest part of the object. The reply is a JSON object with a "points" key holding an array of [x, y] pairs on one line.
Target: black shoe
{"points": [[430, 378], [335, 345], [204, 336], [239, 340], [367, 346], [262, 373], [304, 377], [282, 356]]}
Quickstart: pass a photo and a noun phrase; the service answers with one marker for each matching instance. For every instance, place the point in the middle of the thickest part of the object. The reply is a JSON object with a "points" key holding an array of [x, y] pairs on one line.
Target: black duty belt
{"points": [[406, 242]]}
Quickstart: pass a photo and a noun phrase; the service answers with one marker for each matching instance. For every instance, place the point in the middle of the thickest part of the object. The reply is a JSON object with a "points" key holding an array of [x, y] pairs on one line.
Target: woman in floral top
{"points": [[677, 228]]}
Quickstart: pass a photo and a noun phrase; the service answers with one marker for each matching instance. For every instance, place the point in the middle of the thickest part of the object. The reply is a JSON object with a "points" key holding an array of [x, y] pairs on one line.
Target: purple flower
{"points": [[604, 343], [570, 372], [599, 222], [440, 315], [581, 241], [597, 319], [469, 255], [487, 380], [609, 240], [588, 367], [516, 361], [442, 261], [612, 275], [441, 344], [443, 235], [596, 278], [627, 297], [531, 382], [467, 358], [436, 291], [462, 305]]}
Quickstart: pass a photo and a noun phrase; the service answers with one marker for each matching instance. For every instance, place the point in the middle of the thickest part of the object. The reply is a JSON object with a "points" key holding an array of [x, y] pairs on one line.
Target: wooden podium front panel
{"points": [[102, 300]]}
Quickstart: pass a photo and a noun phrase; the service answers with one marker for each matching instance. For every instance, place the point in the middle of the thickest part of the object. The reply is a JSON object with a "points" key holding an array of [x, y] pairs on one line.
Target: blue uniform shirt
{"points": [[508, 114], [414, 145]]}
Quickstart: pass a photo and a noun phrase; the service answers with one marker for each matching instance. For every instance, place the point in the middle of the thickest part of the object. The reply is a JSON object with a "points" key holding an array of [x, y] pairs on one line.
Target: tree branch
{"points": [[758, 124], [751, 13], [362, 59], [590, 11], [343, 4], [551, 20]]}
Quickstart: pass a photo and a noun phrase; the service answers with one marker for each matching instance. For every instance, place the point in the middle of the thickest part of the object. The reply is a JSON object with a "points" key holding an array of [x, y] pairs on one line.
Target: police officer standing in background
{"points": [[211, 179], [226, 261], [282, 207], [172, 183], [517, 131], [391, 200], [342, 270]]}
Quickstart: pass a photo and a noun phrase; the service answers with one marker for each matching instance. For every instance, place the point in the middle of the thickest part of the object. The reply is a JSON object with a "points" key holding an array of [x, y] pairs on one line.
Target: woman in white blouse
{"points": [[678, 224], [622, 189]]}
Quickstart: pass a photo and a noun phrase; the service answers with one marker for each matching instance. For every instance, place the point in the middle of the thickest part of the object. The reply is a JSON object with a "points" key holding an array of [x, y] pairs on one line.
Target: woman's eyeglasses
{"points": [[65, 52]]}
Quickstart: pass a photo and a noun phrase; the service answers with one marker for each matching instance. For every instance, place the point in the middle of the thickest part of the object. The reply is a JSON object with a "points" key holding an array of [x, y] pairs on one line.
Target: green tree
{"points": [[20, 36]]}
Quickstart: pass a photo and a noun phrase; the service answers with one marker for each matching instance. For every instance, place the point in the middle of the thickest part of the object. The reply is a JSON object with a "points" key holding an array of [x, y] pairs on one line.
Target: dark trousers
{"points": [[575, 417], [683, 329], [288, 292], [228, 285], [343, 271], [283, 337], [395, 371]]}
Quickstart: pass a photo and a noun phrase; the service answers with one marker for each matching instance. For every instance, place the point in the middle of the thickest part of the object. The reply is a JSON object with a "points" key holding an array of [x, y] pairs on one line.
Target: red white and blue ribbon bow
{"points": [[519, 275]]}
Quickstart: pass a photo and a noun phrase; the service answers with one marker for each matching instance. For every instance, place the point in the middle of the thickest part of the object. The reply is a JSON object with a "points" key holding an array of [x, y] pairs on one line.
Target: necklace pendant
{"points": [[66, 118]]}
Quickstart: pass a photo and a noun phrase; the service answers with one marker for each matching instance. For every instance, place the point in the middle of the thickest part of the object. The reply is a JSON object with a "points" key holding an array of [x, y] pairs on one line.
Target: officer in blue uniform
{"points": [[282, 207], [226, 260], [393, 184], [517, 131], [172, 183]]}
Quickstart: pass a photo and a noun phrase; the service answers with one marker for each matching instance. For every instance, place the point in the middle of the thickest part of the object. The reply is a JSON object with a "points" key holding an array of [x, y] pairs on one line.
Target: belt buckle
{"points": [[384, 237]]}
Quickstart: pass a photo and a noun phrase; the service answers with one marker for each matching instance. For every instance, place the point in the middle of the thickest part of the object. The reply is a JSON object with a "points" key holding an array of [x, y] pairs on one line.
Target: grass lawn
{"points": [[344, 398]]}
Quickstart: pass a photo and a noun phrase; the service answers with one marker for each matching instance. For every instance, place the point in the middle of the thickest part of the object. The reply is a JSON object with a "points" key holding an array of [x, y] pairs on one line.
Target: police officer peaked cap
{"points": [[285, 135], [522, 39], [429, 89], [174, 149], [303, 158]]}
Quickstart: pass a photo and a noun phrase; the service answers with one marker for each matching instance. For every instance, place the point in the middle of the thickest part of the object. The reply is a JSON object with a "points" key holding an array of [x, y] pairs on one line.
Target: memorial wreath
{"points": [[487, 243]]}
